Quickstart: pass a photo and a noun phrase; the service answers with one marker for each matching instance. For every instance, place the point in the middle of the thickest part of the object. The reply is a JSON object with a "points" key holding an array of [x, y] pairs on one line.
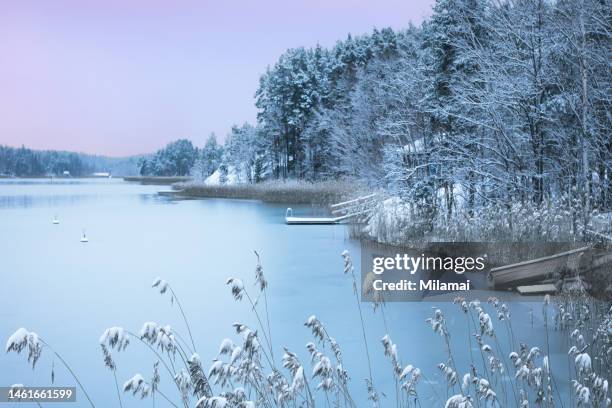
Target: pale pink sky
{"points": [[120, 77]]}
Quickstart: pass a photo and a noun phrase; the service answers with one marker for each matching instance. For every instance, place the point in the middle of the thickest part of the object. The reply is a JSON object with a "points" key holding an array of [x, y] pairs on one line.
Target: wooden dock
{"points": [[311, 220], [341, 212]]}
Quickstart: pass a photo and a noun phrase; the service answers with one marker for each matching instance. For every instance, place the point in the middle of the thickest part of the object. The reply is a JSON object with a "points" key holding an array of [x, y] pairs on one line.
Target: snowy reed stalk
{"points": [[409, 374], [151, 334], [464, 307], [545, 315], [139, 387], [295, 367], [458, 401], [324, 370], [110, 363], [245, 366], [163, 287], [238, 292], [320, 334], [503, 315], [549, 399], [262, 283], [438, 325], [35, 344], [245, 363], [348, 267], [495, 364]]}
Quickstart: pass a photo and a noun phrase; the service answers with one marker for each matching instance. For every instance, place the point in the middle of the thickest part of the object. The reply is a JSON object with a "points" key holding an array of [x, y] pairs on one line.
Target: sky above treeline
{"points": [[123, 77]]}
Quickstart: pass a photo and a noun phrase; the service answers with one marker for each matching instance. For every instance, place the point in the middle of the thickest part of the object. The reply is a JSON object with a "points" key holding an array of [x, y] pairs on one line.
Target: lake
{"points": [[69, 292]]}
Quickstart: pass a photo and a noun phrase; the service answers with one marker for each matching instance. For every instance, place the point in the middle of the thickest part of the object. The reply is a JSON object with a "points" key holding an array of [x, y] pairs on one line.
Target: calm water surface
{"points": [[69, 292]]}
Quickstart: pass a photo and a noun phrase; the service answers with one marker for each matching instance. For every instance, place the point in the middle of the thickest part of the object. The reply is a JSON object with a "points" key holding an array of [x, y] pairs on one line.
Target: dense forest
{"points": [[487, 106], [24, 162]]}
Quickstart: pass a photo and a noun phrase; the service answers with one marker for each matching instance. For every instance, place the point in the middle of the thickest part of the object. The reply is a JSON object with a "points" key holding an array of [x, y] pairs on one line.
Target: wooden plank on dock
{"points": [[310, 220], [536, 289]]}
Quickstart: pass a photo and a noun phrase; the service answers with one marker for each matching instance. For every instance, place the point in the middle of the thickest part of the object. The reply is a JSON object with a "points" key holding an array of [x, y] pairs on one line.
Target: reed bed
{"points": [[277, 191], [250, 370]]}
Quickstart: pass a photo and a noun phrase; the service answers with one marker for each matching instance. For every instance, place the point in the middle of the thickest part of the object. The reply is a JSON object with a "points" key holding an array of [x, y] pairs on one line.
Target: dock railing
{"points": [[354, 208]]}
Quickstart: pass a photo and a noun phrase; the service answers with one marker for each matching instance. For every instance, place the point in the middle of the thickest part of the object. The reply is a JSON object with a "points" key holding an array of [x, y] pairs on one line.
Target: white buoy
{"points": [[55, 220], [84, 238]]}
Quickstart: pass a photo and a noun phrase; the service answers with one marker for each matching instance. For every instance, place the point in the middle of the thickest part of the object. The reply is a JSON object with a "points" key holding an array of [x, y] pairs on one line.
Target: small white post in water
{"points": [[55, 220], [84, 237]]}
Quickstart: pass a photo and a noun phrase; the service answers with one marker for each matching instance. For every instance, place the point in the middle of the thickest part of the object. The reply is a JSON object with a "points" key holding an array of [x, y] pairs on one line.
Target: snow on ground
{"points": [[215, 178]]}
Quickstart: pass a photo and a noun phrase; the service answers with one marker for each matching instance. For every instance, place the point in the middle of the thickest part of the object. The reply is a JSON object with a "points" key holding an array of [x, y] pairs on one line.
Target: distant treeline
{"points": [[24, 162]]}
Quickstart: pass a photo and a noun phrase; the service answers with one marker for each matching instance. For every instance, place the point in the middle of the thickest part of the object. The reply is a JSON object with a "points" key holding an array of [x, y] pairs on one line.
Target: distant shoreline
{"points": [[5, 177]]}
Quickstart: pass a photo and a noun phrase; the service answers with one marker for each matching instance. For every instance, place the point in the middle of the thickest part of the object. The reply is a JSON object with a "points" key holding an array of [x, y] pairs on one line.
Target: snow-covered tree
{"points": [[209, 158], [176, 159]]}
